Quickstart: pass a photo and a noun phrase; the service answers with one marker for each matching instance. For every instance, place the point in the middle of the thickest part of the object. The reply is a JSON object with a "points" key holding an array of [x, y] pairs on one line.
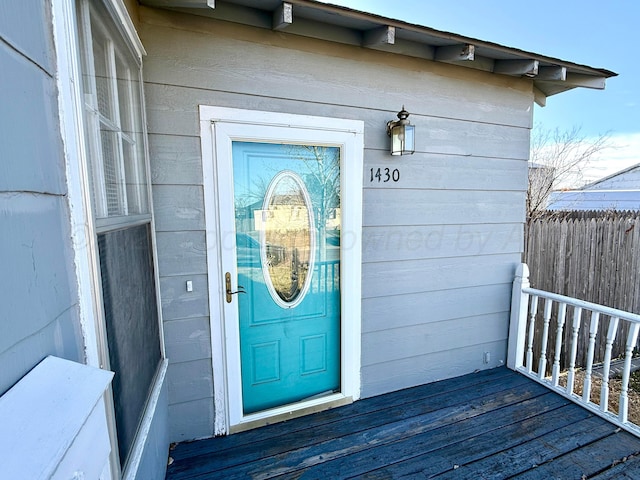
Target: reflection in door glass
{"points": [[288, 238], [287, 207]]}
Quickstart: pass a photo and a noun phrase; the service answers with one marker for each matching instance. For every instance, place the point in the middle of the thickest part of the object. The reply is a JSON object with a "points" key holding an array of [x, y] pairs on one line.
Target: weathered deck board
{"points": [[370, 405], [628, 468], [589, 459], [524, 456], [492, 424], [454, 436]]}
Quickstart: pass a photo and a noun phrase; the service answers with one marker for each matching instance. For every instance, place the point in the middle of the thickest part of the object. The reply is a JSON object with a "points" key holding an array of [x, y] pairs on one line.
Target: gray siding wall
{"points": [[38, 314], [439, 247]]}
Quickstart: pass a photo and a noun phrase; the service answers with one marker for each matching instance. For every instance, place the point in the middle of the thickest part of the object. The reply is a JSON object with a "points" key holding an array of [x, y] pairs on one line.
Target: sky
{"points": [[598, 33]]}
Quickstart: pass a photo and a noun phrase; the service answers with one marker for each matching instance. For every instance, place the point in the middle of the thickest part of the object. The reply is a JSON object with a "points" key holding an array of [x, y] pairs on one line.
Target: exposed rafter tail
{"points": [[385, 35], [553, 73], [283, 16], [455, 53], [586, 81], [527, 68]]}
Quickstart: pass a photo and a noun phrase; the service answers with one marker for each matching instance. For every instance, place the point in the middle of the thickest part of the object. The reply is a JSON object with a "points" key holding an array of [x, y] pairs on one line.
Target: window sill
{"points": [[114, 223]]}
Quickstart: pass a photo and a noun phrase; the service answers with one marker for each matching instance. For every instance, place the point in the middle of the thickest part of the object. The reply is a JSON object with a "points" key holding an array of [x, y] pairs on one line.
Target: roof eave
{"points": [[549, 75]]}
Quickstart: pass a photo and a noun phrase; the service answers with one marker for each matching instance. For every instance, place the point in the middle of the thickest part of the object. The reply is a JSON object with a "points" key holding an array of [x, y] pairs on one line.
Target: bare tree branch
{"points": [[558, 160]]}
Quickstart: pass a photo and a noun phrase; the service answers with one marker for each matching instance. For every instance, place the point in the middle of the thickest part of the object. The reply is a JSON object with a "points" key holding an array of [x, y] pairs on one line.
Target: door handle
{"points": [[227, 284]]}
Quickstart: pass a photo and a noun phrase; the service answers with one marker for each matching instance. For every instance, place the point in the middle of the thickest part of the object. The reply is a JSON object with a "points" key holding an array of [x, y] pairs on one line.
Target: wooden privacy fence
{"points": [[592, 256]]}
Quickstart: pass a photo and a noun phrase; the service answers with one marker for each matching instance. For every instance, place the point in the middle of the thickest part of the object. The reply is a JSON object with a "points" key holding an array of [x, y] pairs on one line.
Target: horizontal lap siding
{"points": [[228, 57], [401, 242], [440, 207], [434, 306], [439, 250], [38, 296], [439, 246], [397, 278], [417, 370], [171, 113], [413, 341], [178, 197]]}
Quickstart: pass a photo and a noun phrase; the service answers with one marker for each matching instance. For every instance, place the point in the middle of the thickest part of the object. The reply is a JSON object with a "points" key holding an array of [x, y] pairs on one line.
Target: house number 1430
{"points": [[385, 175]]}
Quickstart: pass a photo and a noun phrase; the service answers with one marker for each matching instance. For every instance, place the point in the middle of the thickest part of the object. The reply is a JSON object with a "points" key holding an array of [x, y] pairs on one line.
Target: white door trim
{"points": [[218, 128]]}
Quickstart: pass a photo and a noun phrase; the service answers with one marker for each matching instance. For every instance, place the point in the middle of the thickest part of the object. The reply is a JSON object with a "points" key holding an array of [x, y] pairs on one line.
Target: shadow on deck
{"points": [[491, 424]]}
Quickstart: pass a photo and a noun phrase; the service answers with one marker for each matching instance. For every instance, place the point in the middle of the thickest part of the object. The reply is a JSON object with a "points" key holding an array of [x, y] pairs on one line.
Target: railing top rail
{"points": [[612, 312]]}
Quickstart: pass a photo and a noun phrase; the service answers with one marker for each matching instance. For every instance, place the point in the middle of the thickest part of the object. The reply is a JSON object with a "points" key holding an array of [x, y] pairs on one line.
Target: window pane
{"points": [[102, 77], [134, 174], [112, 182], [133, 141], [113, 95], [125, 102]]}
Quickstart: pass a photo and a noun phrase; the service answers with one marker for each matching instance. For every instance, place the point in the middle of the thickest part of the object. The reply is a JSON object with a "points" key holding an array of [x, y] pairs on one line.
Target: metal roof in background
{"points": [[311, 18]]}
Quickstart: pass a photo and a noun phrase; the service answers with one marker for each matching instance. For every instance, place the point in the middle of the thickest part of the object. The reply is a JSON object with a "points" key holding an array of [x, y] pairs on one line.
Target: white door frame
{"points": [[218, 128]]}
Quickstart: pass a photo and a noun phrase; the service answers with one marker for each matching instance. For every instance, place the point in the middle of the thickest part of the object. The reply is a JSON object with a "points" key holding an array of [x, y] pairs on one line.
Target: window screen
{"points": [[131, 318]]}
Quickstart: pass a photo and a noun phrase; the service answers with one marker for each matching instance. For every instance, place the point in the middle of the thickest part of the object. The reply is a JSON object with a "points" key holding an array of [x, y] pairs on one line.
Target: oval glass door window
{"points": [[287, 245]]}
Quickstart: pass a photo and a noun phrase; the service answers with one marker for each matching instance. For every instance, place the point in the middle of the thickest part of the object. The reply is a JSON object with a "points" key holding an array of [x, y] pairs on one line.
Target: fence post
{"points": [[518, 321]]}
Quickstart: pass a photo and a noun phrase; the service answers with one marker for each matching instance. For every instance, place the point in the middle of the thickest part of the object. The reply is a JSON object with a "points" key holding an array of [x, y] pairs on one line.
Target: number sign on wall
{"points": [[384, 175]]}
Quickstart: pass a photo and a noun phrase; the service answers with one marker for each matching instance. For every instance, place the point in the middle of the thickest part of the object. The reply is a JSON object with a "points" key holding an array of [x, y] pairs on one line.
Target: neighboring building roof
{"points": [[311, 18], [619, 191], [629, 178], [595, 200]]}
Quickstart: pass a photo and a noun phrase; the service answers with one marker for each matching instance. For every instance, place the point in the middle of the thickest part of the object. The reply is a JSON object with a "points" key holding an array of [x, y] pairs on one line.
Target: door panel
{"points": [[287, 221]]}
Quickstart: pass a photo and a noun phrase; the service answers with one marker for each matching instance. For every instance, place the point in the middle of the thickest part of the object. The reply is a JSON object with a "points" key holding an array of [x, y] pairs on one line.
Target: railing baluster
{"points": [[593, 329], [522, 336], [555, 372], [575, 328], [606, 367], [542, 366], [532, 329], [632, 337]]}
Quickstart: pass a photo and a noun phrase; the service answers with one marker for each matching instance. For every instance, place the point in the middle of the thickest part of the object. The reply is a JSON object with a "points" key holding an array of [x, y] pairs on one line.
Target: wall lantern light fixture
{"points": [[402, 134]]}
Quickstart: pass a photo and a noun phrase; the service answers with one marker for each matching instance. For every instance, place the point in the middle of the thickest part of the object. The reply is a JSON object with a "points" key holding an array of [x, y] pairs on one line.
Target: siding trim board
{"points": [[83, 236]]}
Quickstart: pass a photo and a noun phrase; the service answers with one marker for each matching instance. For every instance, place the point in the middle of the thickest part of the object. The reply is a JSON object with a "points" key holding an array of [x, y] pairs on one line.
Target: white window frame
{"points": [[93, 25], [83, 225], [218, 128]]}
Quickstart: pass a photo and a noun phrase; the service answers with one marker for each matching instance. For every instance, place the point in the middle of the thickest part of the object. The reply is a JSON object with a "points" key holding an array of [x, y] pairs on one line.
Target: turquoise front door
{"points": [[287, 227]]}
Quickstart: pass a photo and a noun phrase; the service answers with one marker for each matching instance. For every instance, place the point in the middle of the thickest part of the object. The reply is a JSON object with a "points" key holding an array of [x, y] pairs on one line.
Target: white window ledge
{"points": [[54, 423]]}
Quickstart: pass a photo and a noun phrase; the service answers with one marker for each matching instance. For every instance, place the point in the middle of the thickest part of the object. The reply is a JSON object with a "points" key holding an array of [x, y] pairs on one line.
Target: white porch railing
{"points": [[547, 331]]}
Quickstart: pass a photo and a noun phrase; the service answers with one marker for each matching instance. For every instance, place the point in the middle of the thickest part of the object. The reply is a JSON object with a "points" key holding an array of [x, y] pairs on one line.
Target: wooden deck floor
{"points": [[492, 424]]}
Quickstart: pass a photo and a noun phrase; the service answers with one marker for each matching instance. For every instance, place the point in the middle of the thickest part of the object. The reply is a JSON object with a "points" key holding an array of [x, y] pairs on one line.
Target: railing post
{"points": [[518, 320]]}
